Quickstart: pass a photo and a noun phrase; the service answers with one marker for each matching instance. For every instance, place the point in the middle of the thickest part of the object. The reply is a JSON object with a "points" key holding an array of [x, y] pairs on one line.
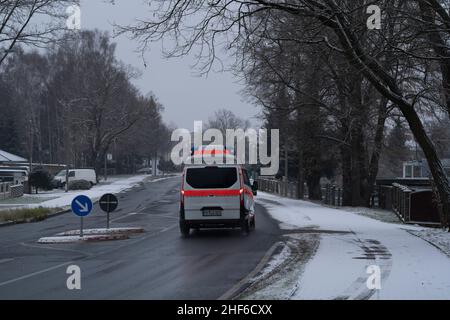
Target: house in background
{"points": [[13, 174], [13, 168], [9, 158], [418, 169]]}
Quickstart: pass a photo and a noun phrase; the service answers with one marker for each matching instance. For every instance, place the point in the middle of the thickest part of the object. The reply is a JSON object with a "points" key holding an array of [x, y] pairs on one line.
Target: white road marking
{"points": [[34, 274], [70, 262], [124, 216], [47, 247], [136, 213], [5, 260]]}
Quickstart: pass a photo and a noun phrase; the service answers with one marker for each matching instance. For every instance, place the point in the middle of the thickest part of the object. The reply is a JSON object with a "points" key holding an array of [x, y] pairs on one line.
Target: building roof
{"points": [[9, 157]]}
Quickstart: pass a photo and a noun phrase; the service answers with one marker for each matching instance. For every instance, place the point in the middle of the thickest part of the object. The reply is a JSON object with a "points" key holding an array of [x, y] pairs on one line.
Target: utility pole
{"points": [[106, 166], [30, 152], [66, 186], [286, 162]]}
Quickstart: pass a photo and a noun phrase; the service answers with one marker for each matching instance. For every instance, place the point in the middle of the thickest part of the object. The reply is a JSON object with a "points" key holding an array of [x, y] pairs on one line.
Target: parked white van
{"points": [[216, 196], [75, 174]]}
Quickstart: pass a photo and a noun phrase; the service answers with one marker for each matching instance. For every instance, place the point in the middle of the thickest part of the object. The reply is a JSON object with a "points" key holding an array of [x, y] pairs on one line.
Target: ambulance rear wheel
{"points": [[245, 226], [184, 229], [253, 223]]}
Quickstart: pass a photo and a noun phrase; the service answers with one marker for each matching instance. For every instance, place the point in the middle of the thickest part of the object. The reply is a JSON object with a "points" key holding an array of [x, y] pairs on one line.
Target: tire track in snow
{"points": [[376, 254]]}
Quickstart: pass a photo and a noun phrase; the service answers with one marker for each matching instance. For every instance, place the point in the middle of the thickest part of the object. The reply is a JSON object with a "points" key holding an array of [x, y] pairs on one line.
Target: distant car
{"points": [[146, 170], [75, 174]]}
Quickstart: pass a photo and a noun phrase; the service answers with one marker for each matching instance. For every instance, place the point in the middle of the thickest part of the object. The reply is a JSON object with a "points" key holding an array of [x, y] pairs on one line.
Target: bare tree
{"points": [[342, 19], [224, 119], [31, 22]]}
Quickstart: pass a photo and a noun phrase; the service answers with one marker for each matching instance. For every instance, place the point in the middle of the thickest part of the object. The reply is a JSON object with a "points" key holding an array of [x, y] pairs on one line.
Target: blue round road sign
{"points": [[81, 205]]}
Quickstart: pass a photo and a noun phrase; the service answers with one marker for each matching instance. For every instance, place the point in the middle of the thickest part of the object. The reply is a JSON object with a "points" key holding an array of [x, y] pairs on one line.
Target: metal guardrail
{"points": [[286, 189], [331, 194], [410, 205], [401, 201]]}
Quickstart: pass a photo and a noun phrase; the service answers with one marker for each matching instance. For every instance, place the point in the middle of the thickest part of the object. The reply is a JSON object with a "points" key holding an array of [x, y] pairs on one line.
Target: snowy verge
{"points": [[374, 213], [349, 244], [437, 237], [293, 214], [279, 279], [61, 199]]}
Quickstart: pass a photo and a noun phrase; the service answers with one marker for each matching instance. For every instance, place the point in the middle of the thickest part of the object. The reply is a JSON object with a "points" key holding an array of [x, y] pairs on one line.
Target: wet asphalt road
{"points": [[157, 264]]}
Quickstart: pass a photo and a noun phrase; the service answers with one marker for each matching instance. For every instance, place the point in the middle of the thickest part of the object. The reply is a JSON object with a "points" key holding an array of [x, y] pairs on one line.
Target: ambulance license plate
{"points": [[212, 213]]}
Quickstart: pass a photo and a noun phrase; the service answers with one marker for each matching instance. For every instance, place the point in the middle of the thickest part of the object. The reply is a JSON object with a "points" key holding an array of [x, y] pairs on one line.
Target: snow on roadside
{"points": [[294, 214], [437, 237], [61, 199], [275, 261], [85, 238], [349, 243], [101, 231], [95, 192], [374, 213]]}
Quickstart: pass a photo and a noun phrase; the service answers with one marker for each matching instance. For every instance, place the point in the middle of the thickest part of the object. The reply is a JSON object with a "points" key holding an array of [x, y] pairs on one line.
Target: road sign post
{"points": [[81, 206], [81, 227], [108, 203]]}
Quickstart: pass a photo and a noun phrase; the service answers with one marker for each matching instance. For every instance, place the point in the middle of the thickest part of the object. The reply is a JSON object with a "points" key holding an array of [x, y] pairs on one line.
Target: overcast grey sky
{"points": [[185, 96]]}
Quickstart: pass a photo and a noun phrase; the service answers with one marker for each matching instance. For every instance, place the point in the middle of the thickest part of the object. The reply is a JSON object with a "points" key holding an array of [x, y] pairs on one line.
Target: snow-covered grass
{"points": [[26, 214], [374, 213], [58, 198], [437, 237], [27, 199], [349, 243]]}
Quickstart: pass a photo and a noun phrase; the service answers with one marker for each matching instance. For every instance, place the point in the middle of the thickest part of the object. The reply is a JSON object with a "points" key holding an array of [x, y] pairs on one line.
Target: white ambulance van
{"points": [[216, 195]]}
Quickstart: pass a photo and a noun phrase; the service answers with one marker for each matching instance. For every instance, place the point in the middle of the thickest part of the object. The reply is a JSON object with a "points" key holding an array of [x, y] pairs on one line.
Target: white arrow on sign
{"points": [[84, 208]]}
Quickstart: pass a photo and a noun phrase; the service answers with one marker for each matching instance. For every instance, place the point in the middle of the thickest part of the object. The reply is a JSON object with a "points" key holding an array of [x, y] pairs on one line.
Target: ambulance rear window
{"points": [[211, 177]]}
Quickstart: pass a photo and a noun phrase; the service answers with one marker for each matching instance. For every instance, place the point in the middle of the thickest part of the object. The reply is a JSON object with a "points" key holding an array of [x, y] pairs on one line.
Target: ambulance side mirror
{"points": [[255, 187]]}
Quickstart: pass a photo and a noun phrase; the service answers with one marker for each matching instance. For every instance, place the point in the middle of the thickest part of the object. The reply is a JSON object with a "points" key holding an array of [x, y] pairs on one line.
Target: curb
{"points": [[429, 242], [86, 238], [244, 283], [102, 231]]}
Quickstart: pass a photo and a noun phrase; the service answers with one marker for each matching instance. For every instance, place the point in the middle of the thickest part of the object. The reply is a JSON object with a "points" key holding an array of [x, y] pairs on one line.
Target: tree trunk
{"points": [[439, 45], [377, 147], [387, 86], [314, 190], [300, 175], [434, 163], [346, 177], [358, 113]]}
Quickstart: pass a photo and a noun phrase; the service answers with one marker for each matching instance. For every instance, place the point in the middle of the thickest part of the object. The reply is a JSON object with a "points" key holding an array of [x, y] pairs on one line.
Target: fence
{"points": [[401, 201], [412, 206], [282, 188], [10, 190], [332, 195]]}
